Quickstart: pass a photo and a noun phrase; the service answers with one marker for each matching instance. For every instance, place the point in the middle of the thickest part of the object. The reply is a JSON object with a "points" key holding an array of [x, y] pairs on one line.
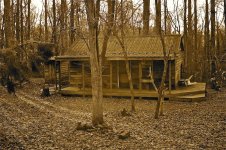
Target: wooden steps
{"points": [[190, 98]]}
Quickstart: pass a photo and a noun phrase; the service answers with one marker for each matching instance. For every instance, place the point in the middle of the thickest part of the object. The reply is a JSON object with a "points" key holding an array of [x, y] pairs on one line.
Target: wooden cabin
{"points": [[145, 55]]}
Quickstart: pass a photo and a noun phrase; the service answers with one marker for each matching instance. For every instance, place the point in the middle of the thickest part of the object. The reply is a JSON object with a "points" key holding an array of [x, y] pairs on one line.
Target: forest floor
{"points": [[29, 121]]}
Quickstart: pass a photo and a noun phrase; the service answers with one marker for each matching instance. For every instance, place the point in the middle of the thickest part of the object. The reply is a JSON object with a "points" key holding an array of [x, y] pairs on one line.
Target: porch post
{"points": [[69, 72], [140, 77], [111, 75], [118, 74], [55, 63], [83, 78], [59, 75], [170, 78]]}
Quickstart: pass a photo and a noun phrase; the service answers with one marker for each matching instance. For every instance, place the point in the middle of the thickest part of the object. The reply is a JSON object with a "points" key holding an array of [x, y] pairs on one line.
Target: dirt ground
{"points": [[29, 121]]}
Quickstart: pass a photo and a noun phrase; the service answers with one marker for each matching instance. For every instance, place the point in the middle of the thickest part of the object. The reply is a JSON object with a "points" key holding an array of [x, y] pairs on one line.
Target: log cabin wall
{"points": [[64, 73], [49, 73], [178, 64], [78, 74]]}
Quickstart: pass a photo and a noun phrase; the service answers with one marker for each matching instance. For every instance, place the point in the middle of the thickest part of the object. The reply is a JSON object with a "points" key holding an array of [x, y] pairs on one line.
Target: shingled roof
{"points": [[138, 47]]}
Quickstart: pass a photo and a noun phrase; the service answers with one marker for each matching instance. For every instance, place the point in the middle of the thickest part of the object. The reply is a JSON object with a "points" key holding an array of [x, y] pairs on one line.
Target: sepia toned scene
{"points": [[112, 74]]}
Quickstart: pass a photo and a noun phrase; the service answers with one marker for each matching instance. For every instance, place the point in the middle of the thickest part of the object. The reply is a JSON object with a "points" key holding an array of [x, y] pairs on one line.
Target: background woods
{"points": [[29, 31]]}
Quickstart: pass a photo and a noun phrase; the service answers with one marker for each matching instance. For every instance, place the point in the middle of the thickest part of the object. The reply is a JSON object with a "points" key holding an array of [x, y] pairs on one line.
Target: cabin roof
{"points": [[139, 47]]}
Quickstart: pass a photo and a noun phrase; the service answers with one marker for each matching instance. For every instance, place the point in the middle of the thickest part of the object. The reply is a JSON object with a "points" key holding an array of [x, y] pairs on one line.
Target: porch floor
{"points": [[192, 90]]}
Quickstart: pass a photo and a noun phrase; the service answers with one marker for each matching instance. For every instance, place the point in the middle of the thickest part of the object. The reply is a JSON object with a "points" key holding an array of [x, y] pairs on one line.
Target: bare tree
{"points": [[29, 20], [158, 16], [46, 21], [72, 22], [213, 30], [146, 16], [161, 88], [7, 24], [95, 62]]}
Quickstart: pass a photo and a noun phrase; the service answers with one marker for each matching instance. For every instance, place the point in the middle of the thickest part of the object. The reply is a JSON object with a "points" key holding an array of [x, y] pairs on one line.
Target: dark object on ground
{"points": [[214, 84], [124, 135], [124, 113], [10, 87], [45, 92], [83, 126]]}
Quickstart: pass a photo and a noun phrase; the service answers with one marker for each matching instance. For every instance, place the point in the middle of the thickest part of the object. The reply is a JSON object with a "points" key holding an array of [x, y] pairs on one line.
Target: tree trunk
{"points": [[165, 16], [161, 89], [146, 16], [224, 26], [18, 21], [29, 20], [54, 34], [21, 23], [195, 53], [189, 39], [213, 28], [46, 21], [185, 34], [7, 22], [158, 16], [96, 66], [72, 22], [207, 38]]}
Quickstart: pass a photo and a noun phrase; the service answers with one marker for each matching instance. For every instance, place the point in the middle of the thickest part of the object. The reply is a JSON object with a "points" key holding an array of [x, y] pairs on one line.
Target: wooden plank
{"points": [[55, 63], [170, 78], [69, 71], [83, 78], [118, 80], [111, 75], [60, 76]]}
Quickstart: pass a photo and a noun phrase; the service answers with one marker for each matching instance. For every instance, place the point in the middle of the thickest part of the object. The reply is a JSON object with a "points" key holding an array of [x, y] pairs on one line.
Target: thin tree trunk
{"points": [[213, 28], [18, 21], [161, 89], [158, 16], [189, 40], [213, 35], [185, 33], [29, 20], [206, 52], [128, 71], [165, 16], [146, 16], [46, 21], [7, 23], [72, 22], [21, 23], [225, 25], [54, 34]]}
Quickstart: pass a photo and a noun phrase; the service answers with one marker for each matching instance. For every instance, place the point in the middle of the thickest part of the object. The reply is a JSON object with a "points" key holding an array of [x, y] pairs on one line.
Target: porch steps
{"points": [[189, 98]]}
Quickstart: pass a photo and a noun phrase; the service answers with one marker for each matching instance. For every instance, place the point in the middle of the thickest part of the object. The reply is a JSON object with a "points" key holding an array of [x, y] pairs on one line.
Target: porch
{"points": [[189, 93]]}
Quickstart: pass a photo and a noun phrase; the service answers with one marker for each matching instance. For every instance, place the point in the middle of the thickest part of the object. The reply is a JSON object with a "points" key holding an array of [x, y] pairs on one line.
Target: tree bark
{"points": [[96, 67], [185, 33], [224, 26], [29, 20], [207, 39], [158, 16], [8, 23], [189, 39], [54, 33], [46, 21], [146, 16], [72, 22], [161, 89], [213, 28], [21, 23]]}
